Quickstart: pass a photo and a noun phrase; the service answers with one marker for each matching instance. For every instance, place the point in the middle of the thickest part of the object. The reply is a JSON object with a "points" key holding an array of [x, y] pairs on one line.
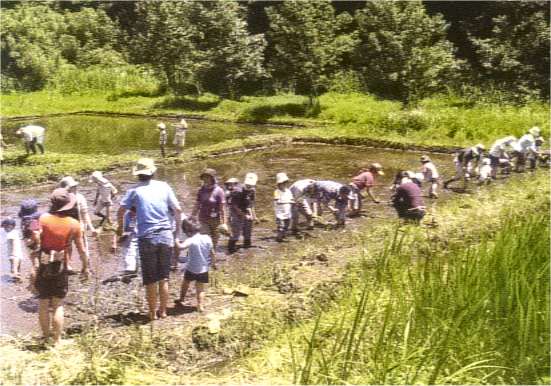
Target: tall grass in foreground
{"points": [[462, 316]]}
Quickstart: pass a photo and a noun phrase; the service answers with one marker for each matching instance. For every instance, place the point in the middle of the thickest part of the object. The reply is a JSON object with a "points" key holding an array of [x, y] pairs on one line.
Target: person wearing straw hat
{"points": [[464, 164], [105, 194], [524, 146], [249, 189], [210, 206], [180, 135], [364, 181], [57, 230], [33, 136], [498, 151], [163, 136], [79, 213], [155, 204], [283, 203], [430, 175]]}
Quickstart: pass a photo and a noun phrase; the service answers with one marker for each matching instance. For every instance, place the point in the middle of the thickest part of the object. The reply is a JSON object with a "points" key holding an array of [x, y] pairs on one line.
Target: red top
{"points": [[57, 232], [364, 180]]}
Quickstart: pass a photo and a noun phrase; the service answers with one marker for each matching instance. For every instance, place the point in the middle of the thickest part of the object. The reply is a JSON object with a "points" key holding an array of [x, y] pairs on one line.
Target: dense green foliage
{"points": [[398, 50]]}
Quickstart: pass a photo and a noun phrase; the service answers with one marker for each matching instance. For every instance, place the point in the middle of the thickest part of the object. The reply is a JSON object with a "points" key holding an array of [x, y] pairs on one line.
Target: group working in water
{"points": [[151, 229]]}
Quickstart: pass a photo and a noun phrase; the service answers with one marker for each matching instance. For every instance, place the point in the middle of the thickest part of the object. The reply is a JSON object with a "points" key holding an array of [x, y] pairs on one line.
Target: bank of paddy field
{"points": [[448, 302], [441, 122]]}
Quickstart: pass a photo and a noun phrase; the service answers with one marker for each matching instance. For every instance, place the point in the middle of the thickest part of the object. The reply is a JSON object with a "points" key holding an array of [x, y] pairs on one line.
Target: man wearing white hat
{"points": [[162, 137], [180, 135], [155, 204], [498, 151], [105, 193], [33, 136], [524, 146], [464, 161]]}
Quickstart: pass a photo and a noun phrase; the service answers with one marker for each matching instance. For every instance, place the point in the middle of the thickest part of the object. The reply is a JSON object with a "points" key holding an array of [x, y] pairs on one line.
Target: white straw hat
{"points": [[281, 178], [145, 166]]}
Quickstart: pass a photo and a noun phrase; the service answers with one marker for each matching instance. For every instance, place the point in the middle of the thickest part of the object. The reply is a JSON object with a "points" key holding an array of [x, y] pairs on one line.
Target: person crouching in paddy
{"points": [[200, 257]]}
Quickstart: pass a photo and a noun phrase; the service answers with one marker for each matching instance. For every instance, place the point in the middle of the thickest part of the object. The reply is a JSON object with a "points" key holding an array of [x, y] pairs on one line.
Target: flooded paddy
{"points": [[115, 135], [111, 301]]}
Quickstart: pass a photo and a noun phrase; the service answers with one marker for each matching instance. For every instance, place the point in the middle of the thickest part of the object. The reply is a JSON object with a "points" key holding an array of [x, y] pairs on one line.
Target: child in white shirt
{"points": [[11, 240], [283, 203], [104, 197]]}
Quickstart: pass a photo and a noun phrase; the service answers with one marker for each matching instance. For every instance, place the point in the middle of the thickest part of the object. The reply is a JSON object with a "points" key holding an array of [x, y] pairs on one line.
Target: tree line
{"points": [[402, 50]]}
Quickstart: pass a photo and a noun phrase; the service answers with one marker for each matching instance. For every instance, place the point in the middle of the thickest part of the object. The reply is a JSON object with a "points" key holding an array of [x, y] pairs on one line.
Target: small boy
{"points": [[430, 175], [200, 256], [129, 242], [104, 196], [283, 204], [162, 137], [485, 172], [12, 242], [29, 214]]}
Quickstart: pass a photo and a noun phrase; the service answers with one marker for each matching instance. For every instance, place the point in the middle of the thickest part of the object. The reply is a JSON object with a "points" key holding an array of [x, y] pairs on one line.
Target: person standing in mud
{"points": [[408, 200], [180, 136], [105, 194], [430, 174], [57, 230], [364, 181], [210, 206], [33, 137], [283, 204], [155, 204], [12, 250], [238, 208], [464, 164], [163, 136], [249, 189]]}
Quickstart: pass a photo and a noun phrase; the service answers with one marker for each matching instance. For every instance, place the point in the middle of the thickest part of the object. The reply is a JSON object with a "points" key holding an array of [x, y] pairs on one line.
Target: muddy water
{"points": [[115, 135], [111, 300]]}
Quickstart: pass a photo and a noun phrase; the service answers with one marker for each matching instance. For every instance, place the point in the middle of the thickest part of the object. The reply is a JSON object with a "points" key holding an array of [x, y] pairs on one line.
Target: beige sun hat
{"points": [[281, 178], [144, 166], [377, 168], [535, 131], [251, 179], [67, 182], [232, 180]]}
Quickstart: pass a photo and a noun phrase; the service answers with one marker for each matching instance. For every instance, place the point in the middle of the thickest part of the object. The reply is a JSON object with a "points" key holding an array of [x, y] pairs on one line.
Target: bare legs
{"points": [[154, 291], [53, 323], [200, 291]]}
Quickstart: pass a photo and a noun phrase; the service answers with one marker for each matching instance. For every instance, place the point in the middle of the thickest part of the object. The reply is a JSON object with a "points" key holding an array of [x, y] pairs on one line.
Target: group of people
{"points": [[180, 130], [150, 222]]}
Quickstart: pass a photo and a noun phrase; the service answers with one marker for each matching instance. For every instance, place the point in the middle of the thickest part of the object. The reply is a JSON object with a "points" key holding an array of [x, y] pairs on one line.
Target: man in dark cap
{"points": [[57, 230]]}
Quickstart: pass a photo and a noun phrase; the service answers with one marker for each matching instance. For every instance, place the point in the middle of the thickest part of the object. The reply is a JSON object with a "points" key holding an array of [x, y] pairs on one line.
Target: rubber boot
{"points": [[247, 243]]}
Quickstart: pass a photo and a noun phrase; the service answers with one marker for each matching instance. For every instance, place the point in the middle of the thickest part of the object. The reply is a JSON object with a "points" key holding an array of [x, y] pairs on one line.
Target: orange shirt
{"points": [[57, 232]]}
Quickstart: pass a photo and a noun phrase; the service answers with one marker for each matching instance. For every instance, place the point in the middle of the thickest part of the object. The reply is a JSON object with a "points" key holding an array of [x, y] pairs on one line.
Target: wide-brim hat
{"points": [[208, 172], [144, 166], [377, 168], [281, 178], [62, 200], [232, 180], [535, 131], [68, 182], [251, 179]]}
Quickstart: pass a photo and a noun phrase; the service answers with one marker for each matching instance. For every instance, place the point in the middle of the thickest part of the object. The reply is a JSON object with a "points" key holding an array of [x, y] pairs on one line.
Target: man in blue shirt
{"points": [[155, 205]]}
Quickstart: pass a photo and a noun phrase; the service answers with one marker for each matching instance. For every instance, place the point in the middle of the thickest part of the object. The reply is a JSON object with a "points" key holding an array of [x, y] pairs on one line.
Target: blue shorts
{"points": [[155, 256]]}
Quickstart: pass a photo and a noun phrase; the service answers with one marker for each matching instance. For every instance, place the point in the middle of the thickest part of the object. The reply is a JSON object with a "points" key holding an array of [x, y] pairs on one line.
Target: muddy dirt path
{"points": [[120, 302]]}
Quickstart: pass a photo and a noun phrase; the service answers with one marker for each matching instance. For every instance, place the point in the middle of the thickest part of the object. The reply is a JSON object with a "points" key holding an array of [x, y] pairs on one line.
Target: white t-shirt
{"points": [[16, 237], [283, 201], [429, 171], [298, 187], [499, 146], [105, 192], [525, 143], [32, 131]]}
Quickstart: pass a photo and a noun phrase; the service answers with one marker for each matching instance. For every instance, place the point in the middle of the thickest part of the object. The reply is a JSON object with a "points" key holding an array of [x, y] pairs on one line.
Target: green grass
{"points": [[462, 315]]}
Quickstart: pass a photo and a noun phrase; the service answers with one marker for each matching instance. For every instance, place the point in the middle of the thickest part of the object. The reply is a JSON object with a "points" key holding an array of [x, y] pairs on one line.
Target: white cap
{"points": [[251, 179], [161, 126], [535, 131], [281, 178], [67, 182]]}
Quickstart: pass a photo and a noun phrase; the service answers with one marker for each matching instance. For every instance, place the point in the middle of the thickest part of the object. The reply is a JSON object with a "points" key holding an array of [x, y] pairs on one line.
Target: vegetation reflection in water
{"points": [[116, 135]]}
